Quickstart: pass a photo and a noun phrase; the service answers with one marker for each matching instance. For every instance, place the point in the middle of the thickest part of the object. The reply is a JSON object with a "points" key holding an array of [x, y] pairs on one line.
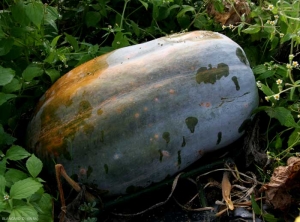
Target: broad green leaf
{"points": [[35, 12], [270, 218], [120, 41], [70, 39], [135, 28], [5, 138], [145, 4], [294, 138], [186, 8], [25, 213], [6, 75], [53, 74], [2, 166], [45, 203], [51, 16], [14, 175], [5, 97], [278, 142], [54, 41], [18, 13], [2, 185], [283, 115], [259, 69], [16, 152], [34, 165], [92, 18], [252, 29], [13, 86], [31, 72], [24, 188], [5, 46]]}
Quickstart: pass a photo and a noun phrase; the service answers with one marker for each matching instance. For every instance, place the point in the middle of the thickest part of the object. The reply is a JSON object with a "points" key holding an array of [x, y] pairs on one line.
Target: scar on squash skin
{"points": [[212, 74], [179, 158], [191, 123], [166, 137], [236, 83], [183, 142], [239, 53]]}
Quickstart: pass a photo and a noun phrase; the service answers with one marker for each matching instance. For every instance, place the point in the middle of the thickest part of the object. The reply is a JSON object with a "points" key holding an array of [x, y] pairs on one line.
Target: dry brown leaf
{"points": [[283, 180], [231, 15]]}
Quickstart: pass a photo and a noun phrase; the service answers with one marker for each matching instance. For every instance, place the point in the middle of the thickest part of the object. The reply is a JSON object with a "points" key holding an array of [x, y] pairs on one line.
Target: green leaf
{"points": [[283, 115], [14, 175], [25, 213], [135, 28], [259, 69], [54, 41], [5, 138], [145, 4], [24, 188], [186, 8], [31, 72], [252, 29], [2, 166], [13, 86], [18, 13], [294, 138], [70, 39], [5, 97], [7, 75], [51, 16], [35, 12], [120, 41], [45, 203], [53, 74], [34, 165], [255, 206], [16, 152], [2, 185], [278, 142], [92, 18], [5, 46]]}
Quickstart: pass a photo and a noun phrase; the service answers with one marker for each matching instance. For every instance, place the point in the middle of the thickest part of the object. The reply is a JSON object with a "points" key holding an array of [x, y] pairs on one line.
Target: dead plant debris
{"points": [[232, 12], [283, 180]]}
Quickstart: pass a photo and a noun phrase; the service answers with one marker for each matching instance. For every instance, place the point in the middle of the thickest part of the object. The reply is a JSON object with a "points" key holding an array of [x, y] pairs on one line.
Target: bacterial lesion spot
{"points": [[191, 123], [212, 74]]}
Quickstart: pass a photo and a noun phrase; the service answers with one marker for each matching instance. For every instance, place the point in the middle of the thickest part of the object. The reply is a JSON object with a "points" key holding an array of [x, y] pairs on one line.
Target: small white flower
{"points": [[270, 7], [279, 81], [118, 42], [298, 115], [6, 197], [231, 26], [291, 56], [295, 64], [281, 35], [258, 84], [224, 27], [289, 66], [276, 96], [267, 98], [276, 16]]}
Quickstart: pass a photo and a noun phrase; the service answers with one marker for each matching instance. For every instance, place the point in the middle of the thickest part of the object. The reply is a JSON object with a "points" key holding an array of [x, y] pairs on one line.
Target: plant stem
{"points": [[123, 13]]}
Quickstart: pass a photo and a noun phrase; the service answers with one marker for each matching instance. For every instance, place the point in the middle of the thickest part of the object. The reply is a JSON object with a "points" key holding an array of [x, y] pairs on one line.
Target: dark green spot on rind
{"points": [[239, 53], [244, 125], [191, 123], [211, 75], [106, 168], [183, 142], [166, 136], [219, 138], [236, 83], [179, 158]]}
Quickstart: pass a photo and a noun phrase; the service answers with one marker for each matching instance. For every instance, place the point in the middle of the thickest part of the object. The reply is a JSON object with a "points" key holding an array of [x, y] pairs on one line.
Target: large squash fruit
{"points": [[138, 114]]}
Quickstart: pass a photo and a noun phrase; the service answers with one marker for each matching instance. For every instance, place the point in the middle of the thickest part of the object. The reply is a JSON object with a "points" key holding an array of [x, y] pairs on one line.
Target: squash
{"points": [[138, 114]]}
